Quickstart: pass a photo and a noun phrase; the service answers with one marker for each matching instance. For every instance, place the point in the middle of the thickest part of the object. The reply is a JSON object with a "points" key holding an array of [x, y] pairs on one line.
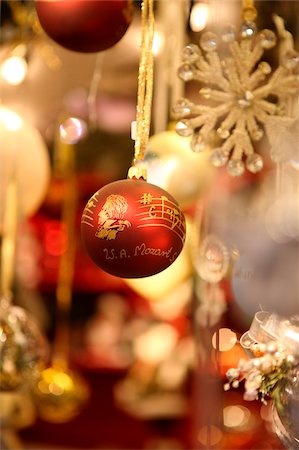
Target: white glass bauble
{"points": [[23, 154]]}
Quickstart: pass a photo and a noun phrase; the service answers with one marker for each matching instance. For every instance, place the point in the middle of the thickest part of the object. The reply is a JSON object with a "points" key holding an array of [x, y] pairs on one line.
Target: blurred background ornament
{"points": [[240, 86], [24, 154], [172, 166], [85, 25], [213, 259], [59, 394], [23, 350]]}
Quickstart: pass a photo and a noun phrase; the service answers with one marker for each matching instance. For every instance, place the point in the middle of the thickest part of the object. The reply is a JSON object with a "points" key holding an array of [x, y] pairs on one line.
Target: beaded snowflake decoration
{"points": [[242, 92]]}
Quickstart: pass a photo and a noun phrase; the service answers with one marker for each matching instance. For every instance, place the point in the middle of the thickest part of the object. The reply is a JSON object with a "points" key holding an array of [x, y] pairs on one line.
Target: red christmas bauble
{"points": [[85, 25], [132, 229]]}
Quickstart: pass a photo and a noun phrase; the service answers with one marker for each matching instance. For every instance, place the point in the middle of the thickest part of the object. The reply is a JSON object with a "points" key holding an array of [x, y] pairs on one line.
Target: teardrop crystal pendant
{"points": [[230, 34], [218, 158], [183, 128], [213, 259], [197, 144], [235, 167], [254, 163], [185, 72], [182, 107], [267, 39], [208, 41], [191, 53], [248, 30]]}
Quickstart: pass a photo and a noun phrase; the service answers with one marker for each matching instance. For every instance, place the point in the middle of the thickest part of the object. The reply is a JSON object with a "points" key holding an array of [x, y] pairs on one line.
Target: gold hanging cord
{"points": [[145, 82]]}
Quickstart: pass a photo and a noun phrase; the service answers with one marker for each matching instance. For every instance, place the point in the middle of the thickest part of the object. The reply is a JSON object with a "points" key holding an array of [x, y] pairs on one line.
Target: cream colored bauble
{"points": [[174, 167], [158, 287], [24, 155]]}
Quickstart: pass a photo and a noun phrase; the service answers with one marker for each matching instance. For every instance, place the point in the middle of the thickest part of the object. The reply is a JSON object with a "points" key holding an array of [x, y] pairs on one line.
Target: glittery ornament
{"points": [[242, 90], [132, 229], [85, 25], [59, 394], [22, 348]]}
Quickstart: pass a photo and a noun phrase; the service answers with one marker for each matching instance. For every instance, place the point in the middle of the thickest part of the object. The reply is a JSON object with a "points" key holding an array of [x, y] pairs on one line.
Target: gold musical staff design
{"points": [[161, 212], [87, 216]]}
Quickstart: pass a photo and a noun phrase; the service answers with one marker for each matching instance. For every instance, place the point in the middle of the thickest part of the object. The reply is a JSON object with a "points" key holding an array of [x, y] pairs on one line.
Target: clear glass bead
{"points": [[182, 107], [197, 143], [254, 163], [218, 158], [183, 128], [235, 167], [205, 92], [213, 260], [230, 34], [267, 39], [248, 29], [72, 130], [257, 134], [191, 53], [185, 72], [208, 41], [264, 67], [290, 59], [223, 133]]}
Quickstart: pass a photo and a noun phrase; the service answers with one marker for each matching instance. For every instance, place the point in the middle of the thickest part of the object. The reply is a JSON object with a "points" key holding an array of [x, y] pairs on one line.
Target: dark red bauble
{"points": [[133, 229], [85, 25]]}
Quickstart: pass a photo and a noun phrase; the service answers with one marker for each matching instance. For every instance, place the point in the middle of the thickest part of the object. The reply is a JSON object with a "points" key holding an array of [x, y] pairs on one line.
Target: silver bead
{"points": [[254, 163], [267, 39], [208, 41], [235, 167], [248, 29], [229, 34], [191, 53], [218, 158], [183, 128], [185, 72]]}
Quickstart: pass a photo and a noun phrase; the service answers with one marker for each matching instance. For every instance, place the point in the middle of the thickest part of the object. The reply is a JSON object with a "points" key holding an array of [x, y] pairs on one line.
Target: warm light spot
{"points": [[235, 416], [64, 381], [158, 42], [155, 344], [13, 70], [209, 435], [55, 238], [224, 339], [199, 16], [10, 119]]}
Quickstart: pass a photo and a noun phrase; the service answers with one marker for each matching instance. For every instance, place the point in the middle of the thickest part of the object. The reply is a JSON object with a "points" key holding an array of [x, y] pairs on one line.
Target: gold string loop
{"points": [[145, 84]]}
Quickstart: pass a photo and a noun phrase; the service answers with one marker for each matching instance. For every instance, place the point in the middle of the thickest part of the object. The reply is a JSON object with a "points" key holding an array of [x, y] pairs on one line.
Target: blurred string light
{"points": [[224, 339], [14, 67], [236, 416], [199, 16]]}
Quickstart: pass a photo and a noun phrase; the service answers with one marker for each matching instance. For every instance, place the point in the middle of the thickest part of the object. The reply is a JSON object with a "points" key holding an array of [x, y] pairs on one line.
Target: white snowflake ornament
{"points": [[242, 90]]}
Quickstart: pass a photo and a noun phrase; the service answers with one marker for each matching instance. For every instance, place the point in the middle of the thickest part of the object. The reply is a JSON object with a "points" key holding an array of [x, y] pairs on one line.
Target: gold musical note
{"points": [[146, 199]]}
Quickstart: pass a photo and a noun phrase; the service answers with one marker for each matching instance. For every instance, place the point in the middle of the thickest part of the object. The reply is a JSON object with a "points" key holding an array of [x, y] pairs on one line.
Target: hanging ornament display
{"points": [[273, 371], [85, 25], [22, 348], [131, 228], [243, 91]]}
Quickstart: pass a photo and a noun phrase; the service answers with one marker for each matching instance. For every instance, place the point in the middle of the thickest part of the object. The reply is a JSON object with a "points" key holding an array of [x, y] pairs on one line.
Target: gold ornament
{"points": [[59, 394], [242, 90]]}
